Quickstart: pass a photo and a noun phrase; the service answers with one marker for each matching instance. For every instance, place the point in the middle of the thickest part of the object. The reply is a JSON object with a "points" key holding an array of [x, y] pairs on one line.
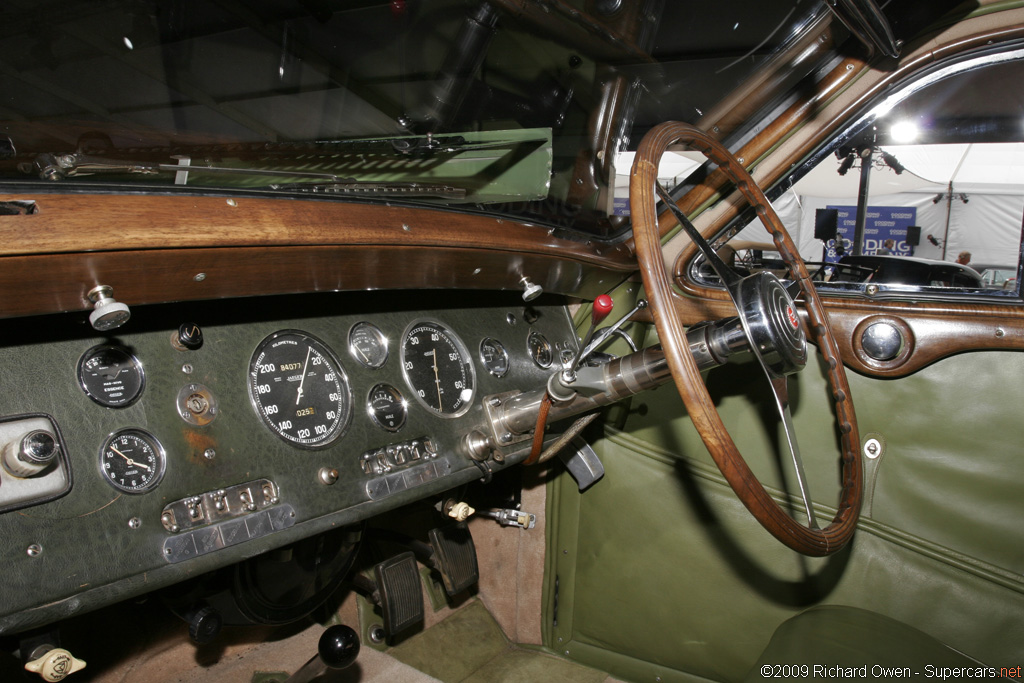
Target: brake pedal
{"points": [[400, 592], [455, 557]]}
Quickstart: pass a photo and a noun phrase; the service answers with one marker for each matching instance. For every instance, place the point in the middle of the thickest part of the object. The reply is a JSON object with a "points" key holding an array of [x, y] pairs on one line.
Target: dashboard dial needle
{"points": [[437, 381], [131, 463], [302, 381]]}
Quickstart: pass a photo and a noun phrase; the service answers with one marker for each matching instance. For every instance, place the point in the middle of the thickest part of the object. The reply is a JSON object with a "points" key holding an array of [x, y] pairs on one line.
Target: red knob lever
{"points": [[602, 307]]}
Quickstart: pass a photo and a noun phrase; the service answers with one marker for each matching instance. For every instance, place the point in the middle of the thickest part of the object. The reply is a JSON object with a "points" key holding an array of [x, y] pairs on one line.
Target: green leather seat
{"points": [[842, 641]]}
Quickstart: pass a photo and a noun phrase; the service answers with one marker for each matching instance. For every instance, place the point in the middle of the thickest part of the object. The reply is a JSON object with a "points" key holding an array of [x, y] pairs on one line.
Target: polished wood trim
{"points": [[74, 222], [939, 329], [153, 248], [51, 283], [934, 335]]}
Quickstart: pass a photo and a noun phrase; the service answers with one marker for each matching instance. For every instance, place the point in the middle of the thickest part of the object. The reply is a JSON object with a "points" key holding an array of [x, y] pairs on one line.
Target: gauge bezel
{"points": [[487, 364], [385, 386], [153, 442], [547, 343], [344, 420], [465, 355], [136, 367], [381, 337]]}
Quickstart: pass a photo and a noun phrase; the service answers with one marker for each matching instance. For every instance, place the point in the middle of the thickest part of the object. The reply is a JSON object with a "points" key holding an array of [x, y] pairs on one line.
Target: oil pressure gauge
{"points": [[387, 407]]}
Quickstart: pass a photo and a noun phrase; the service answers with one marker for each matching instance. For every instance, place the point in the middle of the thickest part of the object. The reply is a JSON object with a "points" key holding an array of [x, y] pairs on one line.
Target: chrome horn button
{"points": [[772, 324]]}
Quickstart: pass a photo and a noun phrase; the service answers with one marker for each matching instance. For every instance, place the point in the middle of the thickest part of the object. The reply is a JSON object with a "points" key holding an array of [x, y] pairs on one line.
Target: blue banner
{"points": [[883, 223]]}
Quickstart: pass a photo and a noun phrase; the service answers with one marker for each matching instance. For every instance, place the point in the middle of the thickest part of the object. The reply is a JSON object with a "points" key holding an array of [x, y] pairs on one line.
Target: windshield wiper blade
{"points": [[60, 166], [377, 189]]}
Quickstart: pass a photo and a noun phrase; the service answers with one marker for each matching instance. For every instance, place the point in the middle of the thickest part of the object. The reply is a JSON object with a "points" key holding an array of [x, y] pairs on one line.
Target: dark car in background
{"points": [[905, 270]]}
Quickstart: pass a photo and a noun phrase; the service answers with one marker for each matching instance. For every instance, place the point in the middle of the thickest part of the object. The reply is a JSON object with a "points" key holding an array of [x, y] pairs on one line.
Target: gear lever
{"points": [[337, 649], [602, 307]]}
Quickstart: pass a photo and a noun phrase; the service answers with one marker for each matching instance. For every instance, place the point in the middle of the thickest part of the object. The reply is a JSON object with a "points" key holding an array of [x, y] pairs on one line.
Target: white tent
{"points": [[966, 197]]}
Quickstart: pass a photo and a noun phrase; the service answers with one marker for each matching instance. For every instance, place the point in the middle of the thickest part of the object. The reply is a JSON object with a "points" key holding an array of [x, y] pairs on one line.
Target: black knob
{"points": [[190, 336], [204, 624], [339, 646]]}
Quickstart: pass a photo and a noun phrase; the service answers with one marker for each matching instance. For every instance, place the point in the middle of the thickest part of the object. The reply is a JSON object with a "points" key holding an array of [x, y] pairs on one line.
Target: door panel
{"points": [[660, 570]]}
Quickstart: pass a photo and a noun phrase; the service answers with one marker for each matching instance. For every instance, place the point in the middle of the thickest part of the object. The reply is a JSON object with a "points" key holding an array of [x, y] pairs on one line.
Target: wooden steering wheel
{"points": [[774, 334]]}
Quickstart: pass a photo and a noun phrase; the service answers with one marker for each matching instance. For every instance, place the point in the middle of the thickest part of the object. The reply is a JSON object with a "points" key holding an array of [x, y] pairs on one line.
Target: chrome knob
{"points": [[31, 454], [108, 314]]}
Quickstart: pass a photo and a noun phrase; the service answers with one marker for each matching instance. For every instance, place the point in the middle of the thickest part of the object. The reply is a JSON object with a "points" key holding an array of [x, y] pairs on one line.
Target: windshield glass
{"points": [[507, 106]]}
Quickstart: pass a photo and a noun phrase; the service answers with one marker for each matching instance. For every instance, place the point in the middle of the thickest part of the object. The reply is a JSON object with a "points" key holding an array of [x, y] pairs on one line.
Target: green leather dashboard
{"points": [[96, 545]]}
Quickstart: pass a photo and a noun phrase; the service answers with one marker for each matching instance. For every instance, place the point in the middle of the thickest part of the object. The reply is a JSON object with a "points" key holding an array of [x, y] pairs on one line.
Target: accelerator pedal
{"points": [[454, 557], [400, 592]]}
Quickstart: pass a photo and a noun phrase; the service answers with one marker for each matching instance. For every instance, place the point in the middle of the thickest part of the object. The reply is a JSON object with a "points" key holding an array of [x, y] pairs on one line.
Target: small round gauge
{"points": [[494, 356], [438, 368], [368, 345], [299, 389], [387, 407], [111, 376], [540, 349], [132, 461]]}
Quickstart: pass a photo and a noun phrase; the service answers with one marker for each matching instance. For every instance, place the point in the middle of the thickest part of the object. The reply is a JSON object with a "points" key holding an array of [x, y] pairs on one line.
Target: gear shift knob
{"points": [[339, 646], [337, 649]]}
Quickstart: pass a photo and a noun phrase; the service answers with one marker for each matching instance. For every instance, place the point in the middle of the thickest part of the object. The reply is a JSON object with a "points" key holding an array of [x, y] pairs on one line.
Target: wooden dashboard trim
{"points": [[75, 222], [937, 330], [192, 247]]}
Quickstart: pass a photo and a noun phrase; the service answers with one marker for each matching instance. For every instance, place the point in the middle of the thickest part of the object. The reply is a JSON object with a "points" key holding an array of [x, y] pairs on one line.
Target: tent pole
{"points": [[949, 212], [862, 201]]}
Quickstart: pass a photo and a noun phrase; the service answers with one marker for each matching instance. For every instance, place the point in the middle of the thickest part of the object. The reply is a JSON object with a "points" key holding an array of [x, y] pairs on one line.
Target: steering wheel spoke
{"points": [[780, 389], [775, 334], [730, 278]]}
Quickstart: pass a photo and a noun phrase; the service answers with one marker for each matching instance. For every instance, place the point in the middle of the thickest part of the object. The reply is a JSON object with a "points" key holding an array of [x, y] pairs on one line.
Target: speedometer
{"points": [[438, 368], [299, 389]]}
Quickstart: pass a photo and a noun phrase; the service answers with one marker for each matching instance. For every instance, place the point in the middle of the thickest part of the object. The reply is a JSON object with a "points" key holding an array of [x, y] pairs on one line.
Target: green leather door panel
{"points": [[661, 572]]}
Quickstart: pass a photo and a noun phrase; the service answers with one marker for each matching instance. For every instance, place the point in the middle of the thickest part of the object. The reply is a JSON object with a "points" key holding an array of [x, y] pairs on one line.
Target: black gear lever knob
{"points": [[337, 649], [339, 646]]}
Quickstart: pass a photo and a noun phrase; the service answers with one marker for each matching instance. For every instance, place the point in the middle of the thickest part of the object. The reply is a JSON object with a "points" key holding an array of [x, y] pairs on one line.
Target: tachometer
{"points": [[438, 368], [299, 389]]}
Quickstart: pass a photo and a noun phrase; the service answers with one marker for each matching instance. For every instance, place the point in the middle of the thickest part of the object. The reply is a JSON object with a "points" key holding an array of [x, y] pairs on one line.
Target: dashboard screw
{"points": [[187, 368], [134, 523], [209, 454], [34, 550], [199, 277]]}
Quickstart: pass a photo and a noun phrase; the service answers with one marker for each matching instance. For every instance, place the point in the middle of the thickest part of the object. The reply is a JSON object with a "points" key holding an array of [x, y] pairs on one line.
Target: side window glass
{"points": [[938, 172]]}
